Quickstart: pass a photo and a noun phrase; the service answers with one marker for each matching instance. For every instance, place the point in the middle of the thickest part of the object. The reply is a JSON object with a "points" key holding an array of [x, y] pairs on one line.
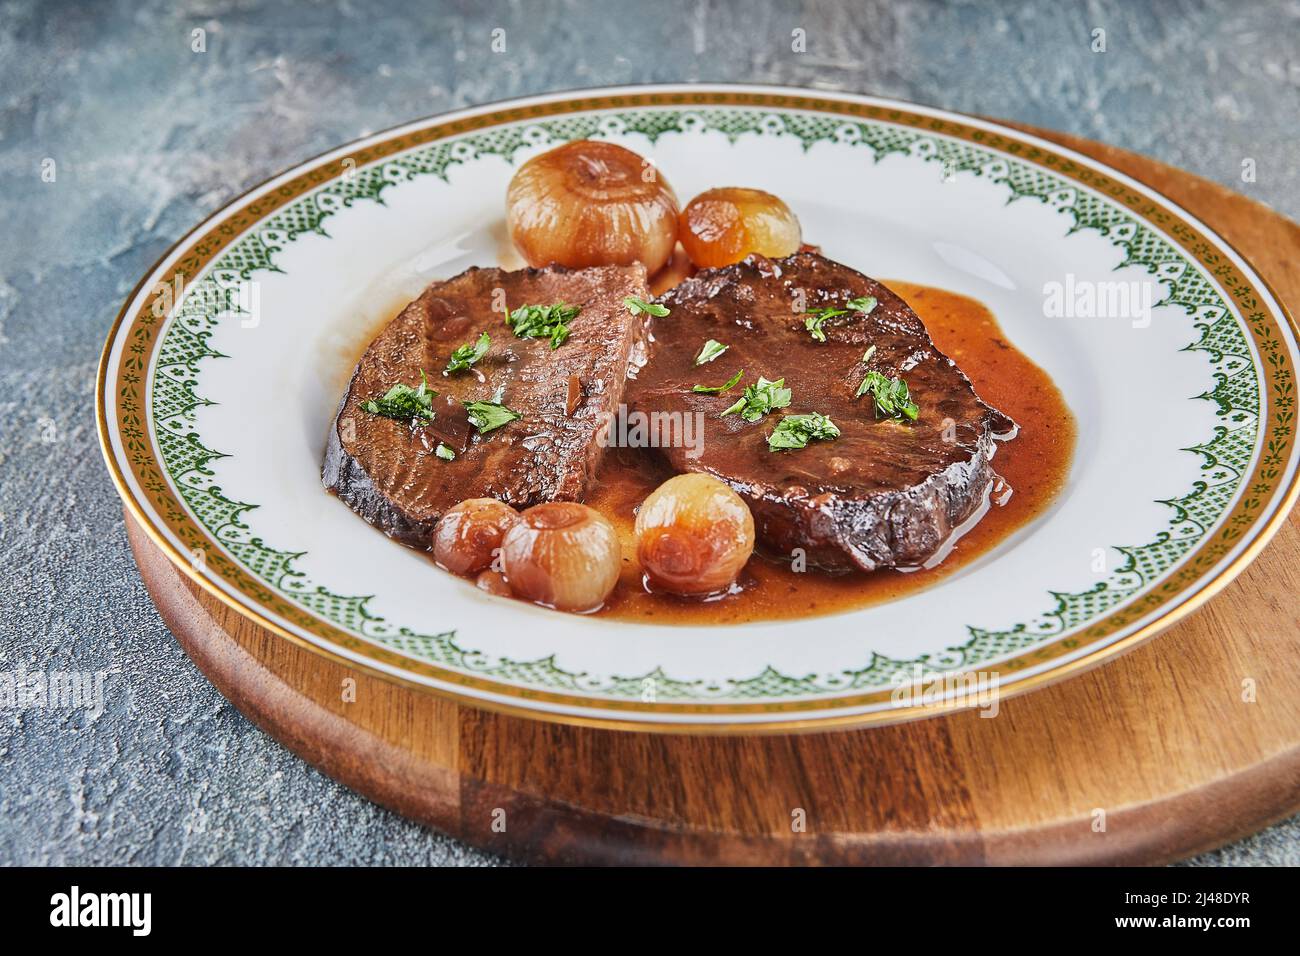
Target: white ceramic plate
{"points": [[214, 405]]}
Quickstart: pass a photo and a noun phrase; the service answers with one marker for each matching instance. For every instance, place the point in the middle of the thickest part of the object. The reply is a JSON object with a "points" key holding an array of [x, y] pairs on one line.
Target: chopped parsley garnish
{"points": [[719, 389], [543, 322], [891, 395], [817, 317], [404, 403], [485, 416], [712, 349], [635, 305], [795, 431], [467, 355], [760, 399], [444, 452]]}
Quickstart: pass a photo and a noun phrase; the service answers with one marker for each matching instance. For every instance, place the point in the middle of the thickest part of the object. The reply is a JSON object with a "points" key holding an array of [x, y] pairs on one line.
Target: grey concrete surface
{"points": [[149, 137]]}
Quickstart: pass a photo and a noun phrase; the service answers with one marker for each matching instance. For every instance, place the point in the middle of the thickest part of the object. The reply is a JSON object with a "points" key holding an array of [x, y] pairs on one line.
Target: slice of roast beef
{"points": [[885, 493], [389, 472]]}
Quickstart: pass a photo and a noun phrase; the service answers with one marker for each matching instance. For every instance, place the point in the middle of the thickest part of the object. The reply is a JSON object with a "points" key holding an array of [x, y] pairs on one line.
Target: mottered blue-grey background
{"points": [[148, 137]]}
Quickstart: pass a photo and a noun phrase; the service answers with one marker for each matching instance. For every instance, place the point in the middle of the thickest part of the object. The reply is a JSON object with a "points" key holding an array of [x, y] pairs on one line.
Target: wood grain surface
{"points": [[1160, 741]]}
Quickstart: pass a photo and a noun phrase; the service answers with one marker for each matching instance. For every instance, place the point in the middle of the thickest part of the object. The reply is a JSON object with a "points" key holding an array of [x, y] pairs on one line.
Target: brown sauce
{"points": [[1035, 464]]}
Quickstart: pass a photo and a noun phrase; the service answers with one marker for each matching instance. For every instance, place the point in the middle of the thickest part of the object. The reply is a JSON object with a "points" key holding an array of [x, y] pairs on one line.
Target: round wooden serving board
{"points": [[1160, 741]]}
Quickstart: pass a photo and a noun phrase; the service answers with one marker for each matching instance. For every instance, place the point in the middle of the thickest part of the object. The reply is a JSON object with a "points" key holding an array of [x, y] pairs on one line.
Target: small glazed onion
{"points": [[563, 555], [723, 226], [694, 534], [589, 203], [468, 535]]}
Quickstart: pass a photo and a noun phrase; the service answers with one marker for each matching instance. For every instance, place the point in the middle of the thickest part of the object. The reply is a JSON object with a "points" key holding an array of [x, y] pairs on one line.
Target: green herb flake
{"points": [[543, 322], [817, 317], [719, 389], [444, 452], [760, 399], [403, 403], [795, 431], [635, 306], [465, 356], [891, 396], [486, 416], [712, 349]]}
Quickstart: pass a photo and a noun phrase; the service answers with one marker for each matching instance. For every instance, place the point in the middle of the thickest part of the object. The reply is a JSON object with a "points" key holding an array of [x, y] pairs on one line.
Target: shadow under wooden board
{"points": [[1159, 740]]}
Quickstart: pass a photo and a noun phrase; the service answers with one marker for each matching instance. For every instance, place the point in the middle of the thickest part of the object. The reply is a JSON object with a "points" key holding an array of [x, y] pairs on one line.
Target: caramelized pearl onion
{"points": [[591, 203], [563, 555], [694, 534], [469, 534], [722, 226]]}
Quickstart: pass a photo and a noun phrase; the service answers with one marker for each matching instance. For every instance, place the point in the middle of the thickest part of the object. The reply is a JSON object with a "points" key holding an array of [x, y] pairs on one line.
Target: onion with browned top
{"points": [[722, 226], [469, 534], [563, 555], [694, 534], [590, 203]]}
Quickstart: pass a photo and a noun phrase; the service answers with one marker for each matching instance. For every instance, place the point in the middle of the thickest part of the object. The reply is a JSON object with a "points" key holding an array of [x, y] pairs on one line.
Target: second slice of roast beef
{"points": [[388, 471], [885, 493]]}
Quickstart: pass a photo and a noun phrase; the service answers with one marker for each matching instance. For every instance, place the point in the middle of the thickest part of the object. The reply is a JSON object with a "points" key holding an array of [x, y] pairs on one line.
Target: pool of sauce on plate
{"points": [[1035, 464]]}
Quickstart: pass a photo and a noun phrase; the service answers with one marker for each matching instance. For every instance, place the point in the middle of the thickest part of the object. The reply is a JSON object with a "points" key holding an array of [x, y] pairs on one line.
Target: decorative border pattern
{"points": [[1226, 454]]}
